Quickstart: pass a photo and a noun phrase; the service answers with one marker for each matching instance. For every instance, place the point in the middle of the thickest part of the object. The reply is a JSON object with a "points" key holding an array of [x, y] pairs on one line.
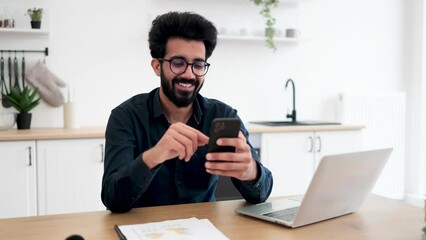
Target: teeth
{"points": [[185, 84]]}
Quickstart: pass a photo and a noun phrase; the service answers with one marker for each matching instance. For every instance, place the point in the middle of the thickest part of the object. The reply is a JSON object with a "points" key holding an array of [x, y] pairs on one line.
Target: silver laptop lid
{"points": [[340, 185]]}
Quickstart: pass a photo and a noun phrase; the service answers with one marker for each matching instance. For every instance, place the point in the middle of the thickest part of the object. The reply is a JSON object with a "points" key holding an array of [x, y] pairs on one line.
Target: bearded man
{"points": [[155, 152]]}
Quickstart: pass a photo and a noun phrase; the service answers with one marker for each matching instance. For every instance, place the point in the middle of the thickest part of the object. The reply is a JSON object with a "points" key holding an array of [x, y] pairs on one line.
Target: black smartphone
{"points": [[220, 128]]}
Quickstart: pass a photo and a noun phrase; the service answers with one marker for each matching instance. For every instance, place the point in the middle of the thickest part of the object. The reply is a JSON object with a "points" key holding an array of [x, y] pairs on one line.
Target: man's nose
{"points": [[188, 73]]}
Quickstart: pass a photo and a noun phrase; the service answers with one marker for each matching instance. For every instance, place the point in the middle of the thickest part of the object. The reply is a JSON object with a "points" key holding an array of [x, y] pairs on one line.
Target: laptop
{"points": [[339, 186]]}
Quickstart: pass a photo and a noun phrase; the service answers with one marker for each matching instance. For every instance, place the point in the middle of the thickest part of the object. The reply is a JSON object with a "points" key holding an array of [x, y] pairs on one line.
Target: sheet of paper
{"points": [[179, 229]]}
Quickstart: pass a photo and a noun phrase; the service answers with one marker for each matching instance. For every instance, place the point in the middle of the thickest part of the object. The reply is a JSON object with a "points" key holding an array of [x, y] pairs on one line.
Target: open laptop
{"points": [[338, 187]]}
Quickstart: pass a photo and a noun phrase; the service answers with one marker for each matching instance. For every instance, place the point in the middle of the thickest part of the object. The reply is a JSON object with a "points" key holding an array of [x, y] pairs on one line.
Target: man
{"points": [[156, 152]]}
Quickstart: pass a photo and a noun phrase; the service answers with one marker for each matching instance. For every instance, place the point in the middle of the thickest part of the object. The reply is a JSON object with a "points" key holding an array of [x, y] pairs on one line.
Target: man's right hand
{"points": [[180, 140]]}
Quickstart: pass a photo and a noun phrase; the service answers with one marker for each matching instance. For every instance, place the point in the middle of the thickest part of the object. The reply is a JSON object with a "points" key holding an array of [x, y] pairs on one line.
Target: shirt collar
{"points": [[158, 110], [197, 112]]}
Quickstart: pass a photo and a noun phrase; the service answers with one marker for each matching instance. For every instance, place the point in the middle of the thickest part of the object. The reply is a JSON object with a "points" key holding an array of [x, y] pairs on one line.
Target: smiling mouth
{"points": [[185, 83]]}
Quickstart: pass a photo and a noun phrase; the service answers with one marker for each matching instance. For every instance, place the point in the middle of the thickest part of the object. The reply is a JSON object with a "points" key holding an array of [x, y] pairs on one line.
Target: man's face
{"points": [[181, 89]]}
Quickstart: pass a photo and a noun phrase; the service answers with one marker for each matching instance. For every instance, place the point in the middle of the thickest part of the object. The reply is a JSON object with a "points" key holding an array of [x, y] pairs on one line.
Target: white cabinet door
{"points": [[293, 157], [287, 155], [18, 179], [335, 142], [70, 175]]}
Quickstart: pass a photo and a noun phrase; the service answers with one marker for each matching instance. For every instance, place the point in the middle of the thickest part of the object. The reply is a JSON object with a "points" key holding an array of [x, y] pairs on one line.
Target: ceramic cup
{"points": [[70, 115], [292, 33], [9, 23]]}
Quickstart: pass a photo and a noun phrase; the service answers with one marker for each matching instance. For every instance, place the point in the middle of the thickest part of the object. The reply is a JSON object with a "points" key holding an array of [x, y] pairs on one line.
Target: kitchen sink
{"points": [[293, 115], [291, 123]]}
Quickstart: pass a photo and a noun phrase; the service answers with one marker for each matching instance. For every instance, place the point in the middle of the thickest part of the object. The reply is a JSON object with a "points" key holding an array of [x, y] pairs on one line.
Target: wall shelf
{"points": [[257, 38], [24, 31]]}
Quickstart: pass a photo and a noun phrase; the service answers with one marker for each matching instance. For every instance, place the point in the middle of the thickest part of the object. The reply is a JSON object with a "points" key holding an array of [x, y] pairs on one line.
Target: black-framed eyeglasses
{"points": [[179, 66]]}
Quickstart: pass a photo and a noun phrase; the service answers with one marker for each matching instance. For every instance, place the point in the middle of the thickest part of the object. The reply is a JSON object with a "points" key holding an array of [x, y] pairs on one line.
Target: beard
{"points": [[180, 98]]}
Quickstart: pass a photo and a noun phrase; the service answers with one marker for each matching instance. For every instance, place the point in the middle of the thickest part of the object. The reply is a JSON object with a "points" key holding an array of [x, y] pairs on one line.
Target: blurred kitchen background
{"points": [[358, 47]]}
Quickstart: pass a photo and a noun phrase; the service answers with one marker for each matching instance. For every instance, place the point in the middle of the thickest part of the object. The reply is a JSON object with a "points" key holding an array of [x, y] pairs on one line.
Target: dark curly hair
{"points": [[187, 25]]}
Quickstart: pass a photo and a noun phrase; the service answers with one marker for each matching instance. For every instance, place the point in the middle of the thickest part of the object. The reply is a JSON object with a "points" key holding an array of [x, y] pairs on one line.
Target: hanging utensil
{"points": [[9, 68], [2, 81], [4, 102], [23, 71], [16, 71]]}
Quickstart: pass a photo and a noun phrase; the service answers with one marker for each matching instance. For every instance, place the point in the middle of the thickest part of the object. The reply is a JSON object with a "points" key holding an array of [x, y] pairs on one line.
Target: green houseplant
{"points": [[424, 232], [36, 14], [23, 101], [266, 12]]}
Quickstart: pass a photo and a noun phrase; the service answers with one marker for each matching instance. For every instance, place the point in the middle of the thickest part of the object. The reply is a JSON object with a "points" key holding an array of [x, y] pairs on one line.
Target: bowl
{"points": [[7, 121]]}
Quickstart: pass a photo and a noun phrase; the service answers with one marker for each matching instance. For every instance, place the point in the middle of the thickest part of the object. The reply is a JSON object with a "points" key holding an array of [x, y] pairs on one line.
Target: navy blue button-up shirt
{"points": [[137, 125]]}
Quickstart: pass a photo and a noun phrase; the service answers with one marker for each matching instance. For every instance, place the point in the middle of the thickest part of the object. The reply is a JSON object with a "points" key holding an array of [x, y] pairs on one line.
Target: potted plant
{"points": [[36, 14], [23, 101], [267, 6], [424, 233]]}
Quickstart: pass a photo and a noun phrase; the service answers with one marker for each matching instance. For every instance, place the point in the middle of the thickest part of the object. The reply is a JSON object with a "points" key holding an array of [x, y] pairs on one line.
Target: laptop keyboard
{"points": [[285, 214]]}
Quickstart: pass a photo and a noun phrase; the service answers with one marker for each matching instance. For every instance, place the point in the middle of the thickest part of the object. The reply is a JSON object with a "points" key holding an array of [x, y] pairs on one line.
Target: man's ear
{"points": [[156, 66]]}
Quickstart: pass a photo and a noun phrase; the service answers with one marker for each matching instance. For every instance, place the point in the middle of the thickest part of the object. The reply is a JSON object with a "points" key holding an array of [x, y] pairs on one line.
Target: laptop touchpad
{"points": [[281, 204]]}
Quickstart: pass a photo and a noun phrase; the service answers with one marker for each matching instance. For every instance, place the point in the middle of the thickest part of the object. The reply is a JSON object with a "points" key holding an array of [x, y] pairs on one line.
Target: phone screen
{"points": [[223, 127]]}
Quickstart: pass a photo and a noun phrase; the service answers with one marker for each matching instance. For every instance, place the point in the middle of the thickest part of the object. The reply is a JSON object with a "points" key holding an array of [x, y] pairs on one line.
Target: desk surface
{"points": [[379, 218]]}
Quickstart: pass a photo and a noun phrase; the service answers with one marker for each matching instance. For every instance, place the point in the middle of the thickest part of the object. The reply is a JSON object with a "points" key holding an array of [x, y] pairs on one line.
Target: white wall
{"points": [[100, 48], [416, 105]]}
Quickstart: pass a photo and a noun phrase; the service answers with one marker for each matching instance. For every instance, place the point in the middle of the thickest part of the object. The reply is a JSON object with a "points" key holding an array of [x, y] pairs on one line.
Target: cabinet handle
{"points": [[312, 144], [102, 153], [29, 157], [319, 144]]}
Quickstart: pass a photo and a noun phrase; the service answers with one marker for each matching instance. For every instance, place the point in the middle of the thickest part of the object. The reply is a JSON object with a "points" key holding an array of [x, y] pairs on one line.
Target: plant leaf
{"points": [[23, 101]]}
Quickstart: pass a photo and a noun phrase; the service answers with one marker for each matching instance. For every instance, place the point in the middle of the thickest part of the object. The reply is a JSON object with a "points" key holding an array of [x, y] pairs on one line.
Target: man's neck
{"points": [[173, 113]]}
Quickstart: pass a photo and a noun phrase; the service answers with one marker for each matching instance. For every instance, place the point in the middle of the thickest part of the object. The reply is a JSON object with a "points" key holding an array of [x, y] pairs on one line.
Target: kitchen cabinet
{"points": [[49, 171], [70, 175], [18, 179], [293, 157]]}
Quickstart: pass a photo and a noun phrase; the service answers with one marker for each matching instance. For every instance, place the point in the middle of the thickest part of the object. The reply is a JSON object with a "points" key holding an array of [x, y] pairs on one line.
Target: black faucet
{"points": [[293, 113]]}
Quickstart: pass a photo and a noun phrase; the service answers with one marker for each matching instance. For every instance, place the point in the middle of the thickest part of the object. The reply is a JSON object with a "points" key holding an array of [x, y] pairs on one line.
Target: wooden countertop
{"points": [[256, 128], [99, 132], [52, 133]]}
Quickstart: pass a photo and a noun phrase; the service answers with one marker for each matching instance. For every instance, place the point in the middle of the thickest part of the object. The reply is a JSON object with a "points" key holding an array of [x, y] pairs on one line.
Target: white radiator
{"points": [[383, 116]]}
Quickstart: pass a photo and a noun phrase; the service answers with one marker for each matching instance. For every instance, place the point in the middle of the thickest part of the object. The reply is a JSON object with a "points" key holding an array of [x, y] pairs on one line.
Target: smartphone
{"points": [[220, 128]]}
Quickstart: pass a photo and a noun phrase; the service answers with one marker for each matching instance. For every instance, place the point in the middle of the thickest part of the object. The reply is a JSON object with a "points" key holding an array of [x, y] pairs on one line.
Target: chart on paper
{"points": [[180, 229]]}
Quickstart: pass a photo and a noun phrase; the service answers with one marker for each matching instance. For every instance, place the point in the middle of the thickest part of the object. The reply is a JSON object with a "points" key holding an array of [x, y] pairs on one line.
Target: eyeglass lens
{"points": [[179, 66]]}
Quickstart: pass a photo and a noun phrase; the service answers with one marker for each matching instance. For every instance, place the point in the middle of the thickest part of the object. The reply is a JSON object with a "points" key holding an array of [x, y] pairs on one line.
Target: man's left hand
{"points": [[239, 164]]}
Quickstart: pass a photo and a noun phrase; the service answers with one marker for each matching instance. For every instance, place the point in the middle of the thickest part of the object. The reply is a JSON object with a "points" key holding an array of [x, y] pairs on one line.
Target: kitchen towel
{"points": [[48, 84]]}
